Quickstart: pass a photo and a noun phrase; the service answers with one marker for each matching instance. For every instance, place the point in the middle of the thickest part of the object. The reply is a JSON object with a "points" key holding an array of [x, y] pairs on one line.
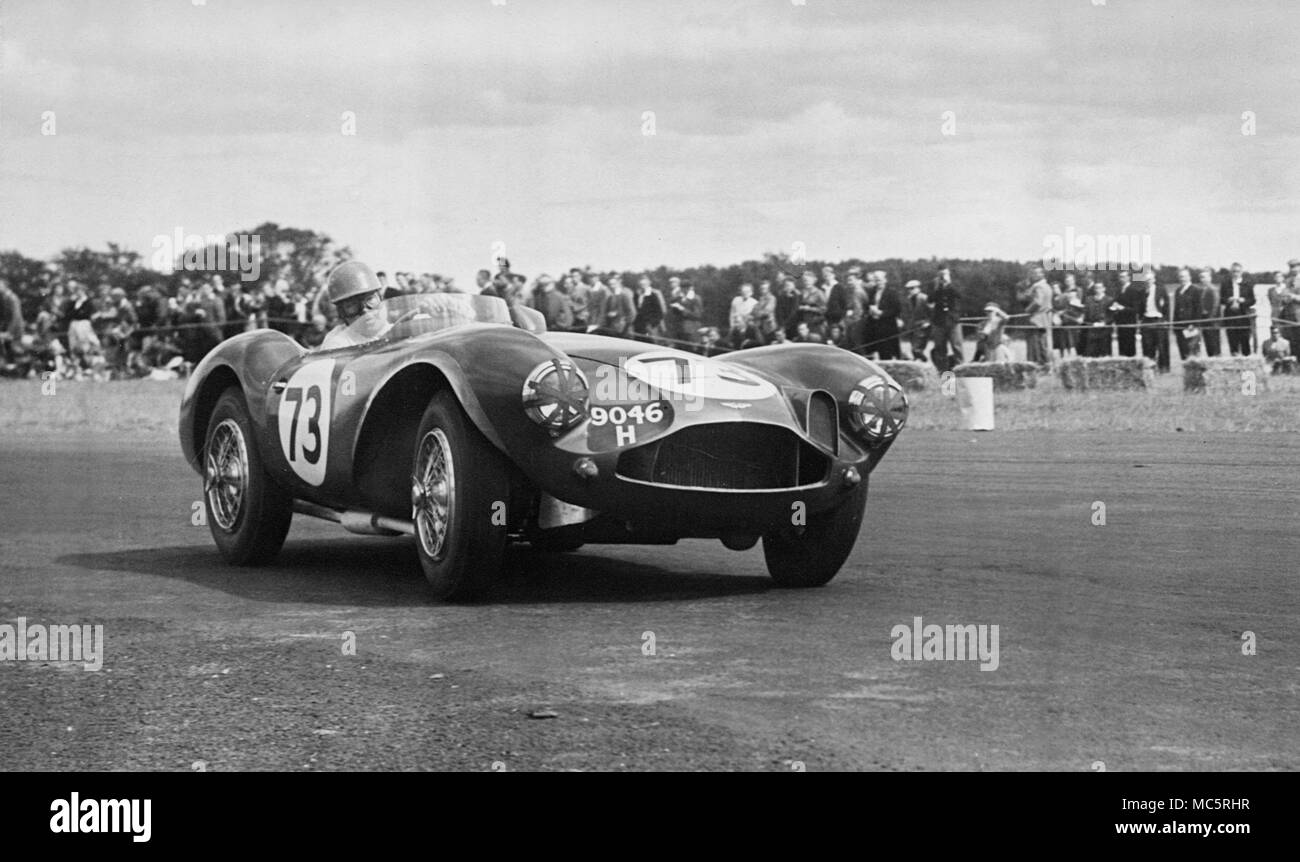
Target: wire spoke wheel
{"points": [[459, 484], [225, 475], [248, 514], [433, 488]]}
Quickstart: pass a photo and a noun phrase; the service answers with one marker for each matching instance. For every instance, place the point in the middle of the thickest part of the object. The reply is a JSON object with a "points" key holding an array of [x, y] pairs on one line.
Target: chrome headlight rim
{"points": [[556, 396], [878, 408]]}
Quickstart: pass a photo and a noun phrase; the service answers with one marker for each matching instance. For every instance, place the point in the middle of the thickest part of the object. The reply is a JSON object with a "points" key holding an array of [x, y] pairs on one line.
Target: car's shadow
{"points": [[375, 572]]}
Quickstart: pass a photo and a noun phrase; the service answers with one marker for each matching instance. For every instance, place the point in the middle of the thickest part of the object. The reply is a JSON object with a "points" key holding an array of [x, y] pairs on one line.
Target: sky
{"points": [[842, 129]]}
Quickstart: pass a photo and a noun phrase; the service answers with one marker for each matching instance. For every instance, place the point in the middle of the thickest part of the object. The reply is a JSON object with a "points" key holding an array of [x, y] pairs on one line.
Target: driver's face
{"points": [[354, 306]]}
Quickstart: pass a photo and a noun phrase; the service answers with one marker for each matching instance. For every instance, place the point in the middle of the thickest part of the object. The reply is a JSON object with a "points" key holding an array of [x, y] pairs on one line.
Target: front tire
{"points": [[460, 487], [810, 556], [248, 514]]}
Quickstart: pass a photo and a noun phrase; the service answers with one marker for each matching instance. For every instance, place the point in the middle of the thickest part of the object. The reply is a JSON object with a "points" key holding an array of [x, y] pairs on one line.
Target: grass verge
{"points": [[149, 408]]}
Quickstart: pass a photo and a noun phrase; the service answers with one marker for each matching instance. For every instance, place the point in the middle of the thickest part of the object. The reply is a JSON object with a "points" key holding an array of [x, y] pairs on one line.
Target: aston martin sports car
{"points": [[461, 422]]}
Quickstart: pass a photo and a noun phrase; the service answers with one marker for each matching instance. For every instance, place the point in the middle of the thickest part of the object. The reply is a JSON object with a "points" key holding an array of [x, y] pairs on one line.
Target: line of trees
{"points": [[300, 256]]}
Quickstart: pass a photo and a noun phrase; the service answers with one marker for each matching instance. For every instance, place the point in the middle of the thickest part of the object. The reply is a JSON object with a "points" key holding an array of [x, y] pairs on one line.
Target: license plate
{"points": [[616, 426]]}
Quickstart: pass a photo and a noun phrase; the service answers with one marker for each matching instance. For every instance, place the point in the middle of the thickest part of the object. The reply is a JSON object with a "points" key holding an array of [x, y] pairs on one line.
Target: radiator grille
{"points": [[732, 455]]}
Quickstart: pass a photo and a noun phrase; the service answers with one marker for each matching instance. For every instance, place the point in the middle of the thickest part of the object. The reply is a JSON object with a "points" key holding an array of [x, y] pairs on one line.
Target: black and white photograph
{"points": [[628, 386]]}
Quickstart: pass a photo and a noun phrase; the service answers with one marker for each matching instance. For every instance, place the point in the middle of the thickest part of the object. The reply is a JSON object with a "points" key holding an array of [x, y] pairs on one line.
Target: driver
{"points": [[356, 293]]}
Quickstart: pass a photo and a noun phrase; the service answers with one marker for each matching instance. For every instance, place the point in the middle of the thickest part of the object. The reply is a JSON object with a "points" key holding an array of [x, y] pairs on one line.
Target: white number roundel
{"points": [[305, 420], [697, 376]]}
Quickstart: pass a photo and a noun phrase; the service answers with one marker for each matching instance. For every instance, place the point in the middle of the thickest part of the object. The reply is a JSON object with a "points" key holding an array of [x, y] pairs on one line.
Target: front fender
{"points": [[822, 366], [248, 360], [485, 366]]}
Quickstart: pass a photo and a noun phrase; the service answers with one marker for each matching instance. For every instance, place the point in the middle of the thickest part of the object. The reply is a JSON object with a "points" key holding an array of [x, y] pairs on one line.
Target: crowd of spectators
{"points": [[859, 313], [101, 331], [1109, 312], [1133, 314]]}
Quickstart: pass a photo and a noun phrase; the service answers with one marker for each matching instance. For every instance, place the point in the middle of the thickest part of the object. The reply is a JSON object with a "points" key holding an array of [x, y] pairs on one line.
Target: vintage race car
{"points": [[462, 422]]}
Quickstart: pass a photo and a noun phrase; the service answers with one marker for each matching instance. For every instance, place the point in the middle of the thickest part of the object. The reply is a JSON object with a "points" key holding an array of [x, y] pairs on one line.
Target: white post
{"points": [[975, 400], [1263, 316]]}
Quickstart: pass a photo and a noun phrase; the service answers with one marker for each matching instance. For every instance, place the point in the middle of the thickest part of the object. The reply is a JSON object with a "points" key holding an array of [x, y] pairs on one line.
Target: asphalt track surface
{"points": [[1119, 643]]}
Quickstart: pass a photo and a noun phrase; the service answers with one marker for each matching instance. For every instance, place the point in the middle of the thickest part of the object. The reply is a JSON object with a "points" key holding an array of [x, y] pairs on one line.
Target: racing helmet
{"points": [[349, 279]]}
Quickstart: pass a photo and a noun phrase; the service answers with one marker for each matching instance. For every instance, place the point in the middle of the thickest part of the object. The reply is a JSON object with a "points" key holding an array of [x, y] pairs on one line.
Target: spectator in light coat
{"points": [[1037, 297]]}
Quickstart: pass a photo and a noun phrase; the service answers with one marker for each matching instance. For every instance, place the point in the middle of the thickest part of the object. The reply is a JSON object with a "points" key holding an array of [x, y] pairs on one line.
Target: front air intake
{"points": [[823, 421], [734, 456]]}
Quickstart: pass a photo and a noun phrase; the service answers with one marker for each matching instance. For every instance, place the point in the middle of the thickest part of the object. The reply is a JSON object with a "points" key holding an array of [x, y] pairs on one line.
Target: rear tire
{"points": [[810, 556], [460, 487], [248, 514]]}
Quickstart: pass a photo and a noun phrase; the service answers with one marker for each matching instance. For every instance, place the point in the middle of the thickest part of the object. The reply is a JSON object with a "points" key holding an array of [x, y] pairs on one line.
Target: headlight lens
{"points": [[878, 408], [555, 396]]}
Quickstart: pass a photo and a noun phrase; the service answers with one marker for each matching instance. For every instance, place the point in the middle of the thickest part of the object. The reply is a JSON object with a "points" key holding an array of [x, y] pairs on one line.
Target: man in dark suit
{"points": [[554, 305], [1097, 317], [883, 310], [1085, 282], [846, 300], [674, 321], [1187, 307], [597, 301], [1209, 311], [1238, 301], [650, 309], [916, 319], [787, 307], [1155, 320], [691, 309], [1130, 298], [579, 294], [846, 307], [945, 321], [619, 309]]}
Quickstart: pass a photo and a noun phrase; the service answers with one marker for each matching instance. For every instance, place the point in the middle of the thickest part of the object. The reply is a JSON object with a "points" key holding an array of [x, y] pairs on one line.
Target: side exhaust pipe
{"points": [[364, 523]]}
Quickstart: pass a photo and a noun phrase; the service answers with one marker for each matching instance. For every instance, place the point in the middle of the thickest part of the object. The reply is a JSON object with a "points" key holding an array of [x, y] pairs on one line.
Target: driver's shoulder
{"points": [[335, 338]]}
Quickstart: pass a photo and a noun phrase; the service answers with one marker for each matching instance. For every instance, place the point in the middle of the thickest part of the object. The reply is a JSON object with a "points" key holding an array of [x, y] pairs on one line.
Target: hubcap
{"points": [[432, 485], [225, 474]]}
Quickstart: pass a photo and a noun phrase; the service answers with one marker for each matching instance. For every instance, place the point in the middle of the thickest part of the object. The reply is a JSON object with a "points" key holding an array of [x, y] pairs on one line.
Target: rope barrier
{"points": [[136, 330], [1150, 322], [721, 346]]}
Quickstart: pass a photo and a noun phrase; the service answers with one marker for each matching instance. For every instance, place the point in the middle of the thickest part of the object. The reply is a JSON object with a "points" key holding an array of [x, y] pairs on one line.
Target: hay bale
{"points": [[1110, 372], [1006, 375], [913, 376], [1225, 375]]}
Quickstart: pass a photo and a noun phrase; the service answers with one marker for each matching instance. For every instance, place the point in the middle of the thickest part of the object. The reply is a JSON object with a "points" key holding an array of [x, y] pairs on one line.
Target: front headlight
{"points": [[877, 409], [555, 396]]}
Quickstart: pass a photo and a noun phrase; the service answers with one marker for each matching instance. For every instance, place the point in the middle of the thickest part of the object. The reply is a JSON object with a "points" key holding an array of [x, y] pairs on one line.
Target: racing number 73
{"points": [[304, 420], [298, 395]]}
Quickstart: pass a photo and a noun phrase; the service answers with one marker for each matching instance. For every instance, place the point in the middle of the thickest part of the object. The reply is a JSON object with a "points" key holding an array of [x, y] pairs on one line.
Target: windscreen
{"points": [[419, 313]]}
